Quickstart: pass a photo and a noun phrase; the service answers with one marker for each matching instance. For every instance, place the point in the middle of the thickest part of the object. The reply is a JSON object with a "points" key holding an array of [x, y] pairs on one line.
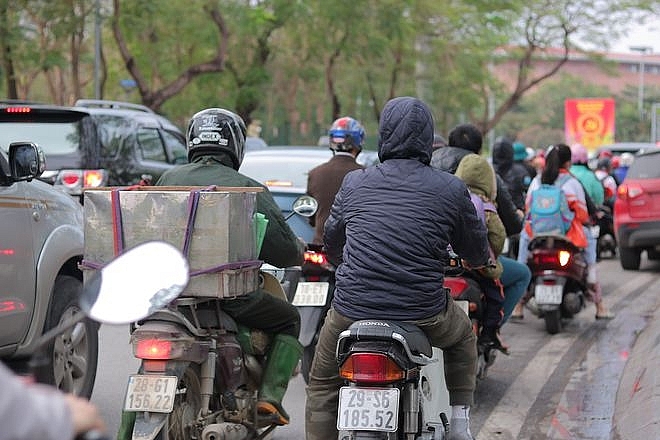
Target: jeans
{"points": [[450, 331], [515, 278]]}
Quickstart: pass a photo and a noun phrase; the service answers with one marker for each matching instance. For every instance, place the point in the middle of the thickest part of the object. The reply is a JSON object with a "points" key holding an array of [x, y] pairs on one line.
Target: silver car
{"points": [[41, 245]]}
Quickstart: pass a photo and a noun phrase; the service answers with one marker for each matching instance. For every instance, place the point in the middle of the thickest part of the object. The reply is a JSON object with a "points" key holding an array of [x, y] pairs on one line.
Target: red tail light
{"points": [[629, 191], [318, 258], [152, 349], [561, 258], [455, 285], [373, 368]]}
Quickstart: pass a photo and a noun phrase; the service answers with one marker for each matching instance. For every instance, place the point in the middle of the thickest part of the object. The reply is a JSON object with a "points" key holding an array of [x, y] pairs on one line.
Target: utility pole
{"points": [[643, 50], [97, 49]]}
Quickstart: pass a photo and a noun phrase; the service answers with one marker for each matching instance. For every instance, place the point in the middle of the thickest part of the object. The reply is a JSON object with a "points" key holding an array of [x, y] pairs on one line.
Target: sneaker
{"points": [[459, 429]]}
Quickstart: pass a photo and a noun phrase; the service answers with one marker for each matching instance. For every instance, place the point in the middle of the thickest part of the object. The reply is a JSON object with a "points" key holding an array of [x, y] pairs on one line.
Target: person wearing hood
{"points": [[388, 232], [479, 177], [464, 139], [508, 163]]}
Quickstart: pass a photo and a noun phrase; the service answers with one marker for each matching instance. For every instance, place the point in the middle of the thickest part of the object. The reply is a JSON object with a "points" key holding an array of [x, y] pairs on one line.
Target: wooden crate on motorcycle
{"points": [[214, 227]]}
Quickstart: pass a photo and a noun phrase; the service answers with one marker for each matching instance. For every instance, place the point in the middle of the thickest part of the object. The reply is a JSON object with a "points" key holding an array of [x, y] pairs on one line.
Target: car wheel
{"points": [[630, 258], [71, 358]]}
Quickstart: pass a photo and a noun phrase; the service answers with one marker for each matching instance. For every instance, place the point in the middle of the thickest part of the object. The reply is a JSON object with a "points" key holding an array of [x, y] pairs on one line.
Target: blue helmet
{"points": [[346, 133]]}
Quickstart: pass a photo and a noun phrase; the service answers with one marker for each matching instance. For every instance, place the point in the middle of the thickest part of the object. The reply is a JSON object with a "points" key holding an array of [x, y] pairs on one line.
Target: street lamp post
{"points": [[640, 97]]}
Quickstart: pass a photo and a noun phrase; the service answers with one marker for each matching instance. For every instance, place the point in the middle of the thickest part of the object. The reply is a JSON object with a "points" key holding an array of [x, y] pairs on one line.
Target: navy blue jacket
{"points": [[390, 224]]}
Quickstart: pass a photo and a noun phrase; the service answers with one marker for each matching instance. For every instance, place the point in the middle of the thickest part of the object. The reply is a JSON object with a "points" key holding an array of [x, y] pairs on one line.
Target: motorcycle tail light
{"points": [[455, 285], [318, 258], [545, 259], [564, 258], [375, 368], [157, 349], [75, 180]]}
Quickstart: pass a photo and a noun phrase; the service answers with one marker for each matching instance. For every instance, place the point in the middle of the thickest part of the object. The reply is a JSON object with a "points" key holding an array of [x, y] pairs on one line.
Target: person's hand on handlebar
{"points": [[85, 415]]}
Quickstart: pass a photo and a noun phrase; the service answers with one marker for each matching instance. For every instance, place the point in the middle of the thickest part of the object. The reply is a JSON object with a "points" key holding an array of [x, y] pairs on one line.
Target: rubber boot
{"points": [[283, 357], [126, 426]]}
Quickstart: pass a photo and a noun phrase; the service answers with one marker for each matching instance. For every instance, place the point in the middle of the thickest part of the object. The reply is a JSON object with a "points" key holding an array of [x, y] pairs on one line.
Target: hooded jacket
{"points": [[390, 224], [515, 174], [448, 158], [479, 177]]}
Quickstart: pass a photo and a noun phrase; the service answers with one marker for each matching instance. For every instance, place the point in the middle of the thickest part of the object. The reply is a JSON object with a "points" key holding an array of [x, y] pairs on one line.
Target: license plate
{"points": [[548, 294], [150, 393], [311, 293], [368, 409]]}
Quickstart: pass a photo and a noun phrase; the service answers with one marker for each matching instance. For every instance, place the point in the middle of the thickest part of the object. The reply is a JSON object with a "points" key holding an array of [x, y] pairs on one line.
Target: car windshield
{"points": [[52, 137], [280, 170], [645, 167]]}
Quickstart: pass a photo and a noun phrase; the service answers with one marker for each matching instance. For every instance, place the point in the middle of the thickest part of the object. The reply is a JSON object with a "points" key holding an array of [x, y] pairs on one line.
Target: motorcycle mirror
{"points": [[135, 284], [305, 205]]}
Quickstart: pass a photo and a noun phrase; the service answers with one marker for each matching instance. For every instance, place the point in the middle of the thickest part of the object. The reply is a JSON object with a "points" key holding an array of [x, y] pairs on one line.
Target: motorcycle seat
{"points": [[412, 336]]}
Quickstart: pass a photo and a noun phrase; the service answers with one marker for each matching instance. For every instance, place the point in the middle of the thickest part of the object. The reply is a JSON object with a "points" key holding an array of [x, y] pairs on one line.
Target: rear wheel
{"points": [[187, 404], [552, 321], [630, 258]]}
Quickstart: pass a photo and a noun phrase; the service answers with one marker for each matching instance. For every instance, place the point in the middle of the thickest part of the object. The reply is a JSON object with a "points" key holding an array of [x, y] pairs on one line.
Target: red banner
{"points": [[589, 121]]}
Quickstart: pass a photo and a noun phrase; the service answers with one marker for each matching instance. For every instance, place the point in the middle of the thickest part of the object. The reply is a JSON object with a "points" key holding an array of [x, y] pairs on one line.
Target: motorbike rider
{"points": [[34, 411], [378, 233], [346, 138], [464, 139], [558, 162], [479, 177], [604, 175], [594, 189], [216, 144]]}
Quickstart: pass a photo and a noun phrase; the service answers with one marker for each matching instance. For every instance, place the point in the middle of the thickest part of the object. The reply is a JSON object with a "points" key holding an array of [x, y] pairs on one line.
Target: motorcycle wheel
{"points": [[553, 321], [187, 404]]}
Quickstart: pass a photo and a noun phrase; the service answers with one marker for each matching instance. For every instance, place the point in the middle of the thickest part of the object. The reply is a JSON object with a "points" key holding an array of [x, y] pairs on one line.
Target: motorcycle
{"points": [[467, 293], [200, 371], [606, 236], [395, 383], [111, 296], [313, 297], [559, 280]]}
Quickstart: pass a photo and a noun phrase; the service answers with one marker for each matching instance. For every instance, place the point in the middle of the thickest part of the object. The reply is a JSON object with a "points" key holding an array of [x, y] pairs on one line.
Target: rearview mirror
{"points": [[305, 205], [26, 161], [135, 284]]}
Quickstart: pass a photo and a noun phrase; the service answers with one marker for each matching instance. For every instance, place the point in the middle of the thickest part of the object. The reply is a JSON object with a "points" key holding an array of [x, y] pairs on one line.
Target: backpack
{"points": [[549, 212], [482, 206]]}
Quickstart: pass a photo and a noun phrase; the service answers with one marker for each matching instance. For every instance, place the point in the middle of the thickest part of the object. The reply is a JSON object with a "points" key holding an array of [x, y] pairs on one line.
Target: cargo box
{"points": [[214, 227]]}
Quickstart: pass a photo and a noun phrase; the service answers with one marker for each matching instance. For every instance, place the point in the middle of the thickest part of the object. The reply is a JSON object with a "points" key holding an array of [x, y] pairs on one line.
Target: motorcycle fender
{"points": [[148, 425], [310, 320]]}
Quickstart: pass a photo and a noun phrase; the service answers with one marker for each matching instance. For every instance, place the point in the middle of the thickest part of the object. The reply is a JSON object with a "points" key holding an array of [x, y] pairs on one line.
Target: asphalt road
{"points": [[560, 386]]}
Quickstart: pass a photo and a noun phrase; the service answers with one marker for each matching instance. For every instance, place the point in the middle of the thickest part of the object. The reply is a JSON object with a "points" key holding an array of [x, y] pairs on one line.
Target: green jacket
{"points": [[590, 182], [479, 177], [281, 247]]}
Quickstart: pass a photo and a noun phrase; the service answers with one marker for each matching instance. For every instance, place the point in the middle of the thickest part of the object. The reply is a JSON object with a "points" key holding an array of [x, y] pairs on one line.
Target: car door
{"points": [[17, 263]]}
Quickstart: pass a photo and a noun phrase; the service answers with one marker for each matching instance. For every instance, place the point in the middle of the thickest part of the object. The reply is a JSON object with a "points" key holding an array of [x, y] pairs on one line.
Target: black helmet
{"points": [[216, 130]]}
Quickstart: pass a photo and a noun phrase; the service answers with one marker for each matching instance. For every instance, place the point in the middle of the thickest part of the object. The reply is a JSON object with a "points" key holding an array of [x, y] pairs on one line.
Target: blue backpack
{"points": [[549, 213]]}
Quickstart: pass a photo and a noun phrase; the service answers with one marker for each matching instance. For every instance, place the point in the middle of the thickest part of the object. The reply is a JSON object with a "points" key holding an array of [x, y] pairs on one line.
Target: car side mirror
{"points": [[26, 161]]}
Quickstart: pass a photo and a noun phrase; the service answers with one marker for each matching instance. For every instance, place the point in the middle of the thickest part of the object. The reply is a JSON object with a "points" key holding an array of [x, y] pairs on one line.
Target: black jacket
{"points": [[390, 224], [448, 158]]}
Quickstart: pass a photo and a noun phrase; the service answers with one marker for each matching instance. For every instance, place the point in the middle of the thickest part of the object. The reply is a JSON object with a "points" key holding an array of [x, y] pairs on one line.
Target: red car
{"points": [[637, 211]]}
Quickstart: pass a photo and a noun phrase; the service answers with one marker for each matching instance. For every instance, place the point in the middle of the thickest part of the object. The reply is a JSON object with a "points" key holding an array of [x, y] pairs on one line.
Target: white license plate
{"points": [[311, 293], [548, 294], [150, 393], [368, 409]]}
